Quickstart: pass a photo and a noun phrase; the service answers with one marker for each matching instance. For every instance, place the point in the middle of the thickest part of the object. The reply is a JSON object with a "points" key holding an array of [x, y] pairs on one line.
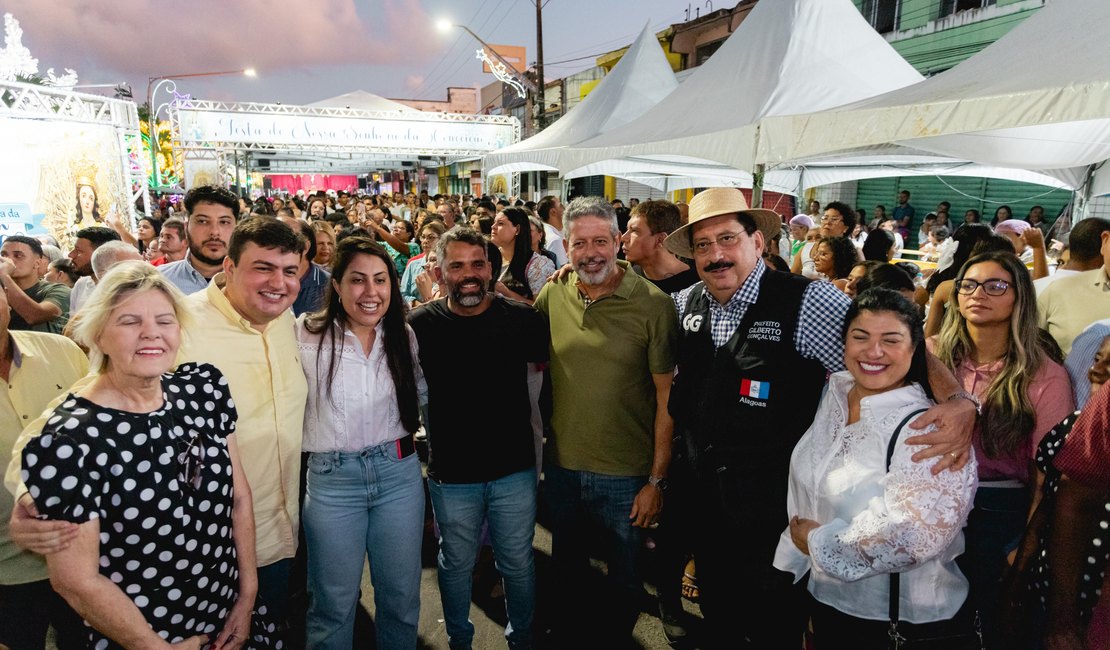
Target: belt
{"points": [[404, 447]]}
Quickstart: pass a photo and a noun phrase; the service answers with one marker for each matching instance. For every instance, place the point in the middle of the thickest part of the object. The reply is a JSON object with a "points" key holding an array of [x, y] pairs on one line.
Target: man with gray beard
{"points": [[481, 464], [613, 337]]}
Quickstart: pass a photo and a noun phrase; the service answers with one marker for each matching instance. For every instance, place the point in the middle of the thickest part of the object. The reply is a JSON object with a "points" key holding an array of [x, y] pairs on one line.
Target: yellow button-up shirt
{"points": [[264, 372], [44, 366]]}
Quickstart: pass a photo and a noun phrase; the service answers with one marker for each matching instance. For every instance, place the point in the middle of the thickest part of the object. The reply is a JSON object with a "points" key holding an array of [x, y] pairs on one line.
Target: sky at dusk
{"points": [[306, 50]]}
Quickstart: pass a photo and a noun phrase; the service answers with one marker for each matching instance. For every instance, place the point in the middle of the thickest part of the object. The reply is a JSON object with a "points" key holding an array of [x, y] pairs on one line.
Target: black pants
{"points": [[746, 602], [833, 629], [28, 610]]}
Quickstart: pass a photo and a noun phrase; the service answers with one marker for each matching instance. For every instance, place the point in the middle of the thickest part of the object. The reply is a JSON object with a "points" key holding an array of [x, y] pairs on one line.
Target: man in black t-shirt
{"points": [[482, 460], [642, 242]]}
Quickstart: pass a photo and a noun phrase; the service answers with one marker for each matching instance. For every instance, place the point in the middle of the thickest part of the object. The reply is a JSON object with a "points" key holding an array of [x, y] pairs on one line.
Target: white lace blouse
{"points": [[362, 408], [874, 522]]}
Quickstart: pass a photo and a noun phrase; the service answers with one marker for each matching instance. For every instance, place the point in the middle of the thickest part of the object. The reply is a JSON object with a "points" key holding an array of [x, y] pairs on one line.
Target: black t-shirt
{"points": [[479, 413], [676, 282]]}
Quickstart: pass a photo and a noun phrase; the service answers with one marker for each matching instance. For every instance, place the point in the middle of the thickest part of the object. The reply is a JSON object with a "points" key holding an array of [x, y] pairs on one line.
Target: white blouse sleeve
{"points": [[917, 517]]}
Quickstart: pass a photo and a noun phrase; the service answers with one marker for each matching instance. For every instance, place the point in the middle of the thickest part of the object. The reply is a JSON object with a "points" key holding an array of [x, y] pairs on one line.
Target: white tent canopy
{"points": [[788, 56], [639, 81], [1037, 98], [363, 101]]}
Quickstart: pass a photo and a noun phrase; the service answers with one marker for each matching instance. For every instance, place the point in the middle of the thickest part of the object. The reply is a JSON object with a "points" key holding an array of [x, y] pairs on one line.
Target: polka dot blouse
{"points": [[160, 484]]}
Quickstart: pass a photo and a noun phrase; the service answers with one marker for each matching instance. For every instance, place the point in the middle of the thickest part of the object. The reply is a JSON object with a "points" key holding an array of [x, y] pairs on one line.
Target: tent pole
{"points": [[757, 185]]}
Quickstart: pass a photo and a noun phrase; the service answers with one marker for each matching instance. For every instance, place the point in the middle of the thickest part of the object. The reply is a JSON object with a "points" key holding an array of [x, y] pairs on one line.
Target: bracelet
{"points": [[963, 394]]}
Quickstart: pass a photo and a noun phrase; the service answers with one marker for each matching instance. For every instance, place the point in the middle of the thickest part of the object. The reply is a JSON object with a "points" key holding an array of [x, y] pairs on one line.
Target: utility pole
{"points": [[540, 122]]}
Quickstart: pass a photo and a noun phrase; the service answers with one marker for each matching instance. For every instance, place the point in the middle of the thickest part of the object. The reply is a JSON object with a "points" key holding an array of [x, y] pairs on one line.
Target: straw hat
{"points": [[714, 203]]}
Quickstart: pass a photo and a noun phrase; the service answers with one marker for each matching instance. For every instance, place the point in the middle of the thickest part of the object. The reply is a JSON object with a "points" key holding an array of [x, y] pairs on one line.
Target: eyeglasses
{"points": [[429, 237], [992, 287], [832, 220], [191, 462], [724, 242]]}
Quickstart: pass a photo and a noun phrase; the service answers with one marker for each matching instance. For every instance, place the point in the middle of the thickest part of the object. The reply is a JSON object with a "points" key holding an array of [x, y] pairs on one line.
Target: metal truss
{"points": [[32, 101], [179, 141]]}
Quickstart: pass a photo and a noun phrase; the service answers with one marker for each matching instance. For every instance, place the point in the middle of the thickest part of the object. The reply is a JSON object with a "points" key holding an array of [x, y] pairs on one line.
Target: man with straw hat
{"points": [[754, 352]]}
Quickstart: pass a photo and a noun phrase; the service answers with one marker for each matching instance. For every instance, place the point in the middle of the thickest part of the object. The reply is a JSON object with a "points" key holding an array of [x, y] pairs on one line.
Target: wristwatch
{"points": [[963, 394], [659, 482]]}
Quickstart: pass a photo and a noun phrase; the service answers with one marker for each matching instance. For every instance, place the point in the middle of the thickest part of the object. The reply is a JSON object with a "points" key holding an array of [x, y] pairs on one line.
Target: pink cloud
{"points": [[155, 37], [414, 81]]}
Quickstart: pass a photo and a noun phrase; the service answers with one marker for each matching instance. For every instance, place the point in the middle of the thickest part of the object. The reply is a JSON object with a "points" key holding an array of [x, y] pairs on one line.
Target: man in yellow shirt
{"points": [[243, 326], [35, 368]]}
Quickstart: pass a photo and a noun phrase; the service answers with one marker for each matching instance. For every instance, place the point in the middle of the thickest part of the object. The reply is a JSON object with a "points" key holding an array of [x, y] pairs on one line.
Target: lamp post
{"points": [[154, 84]]}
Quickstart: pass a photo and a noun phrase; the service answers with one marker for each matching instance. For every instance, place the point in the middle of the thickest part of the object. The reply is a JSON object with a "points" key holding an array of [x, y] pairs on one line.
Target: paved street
{"points": [[488, 613]]}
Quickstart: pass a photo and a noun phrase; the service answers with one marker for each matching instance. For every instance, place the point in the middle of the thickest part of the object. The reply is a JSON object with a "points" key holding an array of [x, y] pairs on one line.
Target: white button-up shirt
{"points": [[360, 410]]}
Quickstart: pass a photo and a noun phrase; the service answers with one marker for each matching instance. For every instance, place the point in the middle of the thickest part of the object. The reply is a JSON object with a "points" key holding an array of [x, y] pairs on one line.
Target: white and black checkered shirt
{"points": [[820, 318]]}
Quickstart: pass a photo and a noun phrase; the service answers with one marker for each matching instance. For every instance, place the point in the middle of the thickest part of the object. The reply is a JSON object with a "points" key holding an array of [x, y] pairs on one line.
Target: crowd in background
{"points": [[217, 408]]}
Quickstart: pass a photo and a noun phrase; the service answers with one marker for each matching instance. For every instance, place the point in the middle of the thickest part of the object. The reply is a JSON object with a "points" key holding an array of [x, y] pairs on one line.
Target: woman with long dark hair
{"points": [[146, 233], [523, 272], [990, 340], [88, 206], [861, 509], [364, 495], [939, 286]]}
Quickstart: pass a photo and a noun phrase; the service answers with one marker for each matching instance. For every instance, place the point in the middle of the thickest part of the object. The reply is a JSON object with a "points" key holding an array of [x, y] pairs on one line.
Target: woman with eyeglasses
{"points": [[430, 233], [990, 340], [143, 459]]}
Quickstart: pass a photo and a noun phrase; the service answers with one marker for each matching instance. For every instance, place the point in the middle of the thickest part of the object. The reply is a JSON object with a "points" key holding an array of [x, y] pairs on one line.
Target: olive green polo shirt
{"points": [[602, 359]]}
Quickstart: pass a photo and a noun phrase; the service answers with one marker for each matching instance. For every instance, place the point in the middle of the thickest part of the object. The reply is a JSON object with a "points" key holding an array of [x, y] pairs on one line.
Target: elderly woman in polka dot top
{"points": [[143, 460]]}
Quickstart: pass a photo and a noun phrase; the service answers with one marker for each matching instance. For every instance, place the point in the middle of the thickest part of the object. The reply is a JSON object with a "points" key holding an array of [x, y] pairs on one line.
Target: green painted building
{"points": [[934, 35]]}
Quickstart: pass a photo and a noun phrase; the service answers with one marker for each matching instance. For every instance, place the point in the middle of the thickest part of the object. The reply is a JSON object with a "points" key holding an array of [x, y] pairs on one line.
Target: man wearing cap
{"points": [[755, 346]]}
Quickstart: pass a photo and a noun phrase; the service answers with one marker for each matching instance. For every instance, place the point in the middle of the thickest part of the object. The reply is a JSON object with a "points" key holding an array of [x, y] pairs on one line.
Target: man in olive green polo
{"points": [[613, 337]]}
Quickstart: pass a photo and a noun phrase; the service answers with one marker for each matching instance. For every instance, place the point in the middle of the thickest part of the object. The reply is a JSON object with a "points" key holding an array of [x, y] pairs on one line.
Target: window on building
{"points": [[882, 14], [949, 7], [705, 51]]}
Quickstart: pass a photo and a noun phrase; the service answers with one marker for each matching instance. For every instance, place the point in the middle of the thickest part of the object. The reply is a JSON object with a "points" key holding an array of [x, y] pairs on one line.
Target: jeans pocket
{"points": [[322, 464]]}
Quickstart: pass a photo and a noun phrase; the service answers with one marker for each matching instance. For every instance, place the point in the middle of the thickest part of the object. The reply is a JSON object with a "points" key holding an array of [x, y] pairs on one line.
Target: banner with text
{"points": [[306, 131]]}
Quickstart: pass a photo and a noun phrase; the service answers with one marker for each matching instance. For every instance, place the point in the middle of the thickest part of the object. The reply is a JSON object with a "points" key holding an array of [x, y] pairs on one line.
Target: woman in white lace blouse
{"points": [[853, 522]]}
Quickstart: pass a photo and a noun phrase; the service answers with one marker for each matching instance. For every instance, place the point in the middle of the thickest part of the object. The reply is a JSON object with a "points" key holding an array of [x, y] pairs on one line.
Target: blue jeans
{"points": [[509, 504], [580, 503], [363, 504]]}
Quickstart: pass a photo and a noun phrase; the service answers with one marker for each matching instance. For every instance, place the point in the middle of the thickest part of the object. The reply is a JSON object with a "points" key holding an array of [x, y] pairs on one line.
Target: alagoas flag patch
{"points": [[755, 389]]}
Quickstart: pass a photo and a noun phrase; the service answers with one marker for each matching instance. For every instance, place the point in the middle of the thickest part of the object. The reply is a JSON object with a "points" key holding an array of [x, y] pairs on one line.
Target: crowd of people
{"points": [[821, 443]]}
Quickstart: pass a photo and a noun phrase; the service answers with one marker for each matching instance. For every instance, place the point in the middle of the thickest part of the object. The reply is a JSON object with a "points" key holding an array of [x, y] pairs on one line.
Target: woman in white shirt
{"points": [[853, 522], [364, 495]]}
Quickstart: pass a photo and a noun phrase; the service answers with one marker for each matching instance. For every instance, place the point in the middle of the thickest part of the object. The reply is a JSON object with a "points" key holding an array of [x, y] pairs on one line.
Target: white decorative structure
{"points": [[502, 73], [15, 59]]}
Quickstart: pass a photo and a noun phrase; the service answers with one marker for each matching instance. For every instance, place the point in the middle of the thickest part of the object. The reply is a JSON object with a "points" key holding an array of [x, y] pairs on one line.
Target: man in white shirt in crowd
{"points": [[1084, 244], [550, 211]]}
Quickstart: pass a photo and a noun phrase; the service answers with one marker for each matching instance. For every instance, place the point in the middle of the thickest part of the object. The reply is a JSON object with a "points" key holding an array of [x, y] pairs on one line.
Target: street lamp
{"points": [[153, 85]]}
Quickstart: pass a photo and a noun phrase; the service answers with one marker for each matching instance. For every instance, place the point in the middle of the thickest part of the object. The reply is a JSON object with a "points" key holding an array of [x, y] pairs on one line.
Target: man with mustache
{"points": [[612, 359], [755, 349], [211, 219], [480, 467]]}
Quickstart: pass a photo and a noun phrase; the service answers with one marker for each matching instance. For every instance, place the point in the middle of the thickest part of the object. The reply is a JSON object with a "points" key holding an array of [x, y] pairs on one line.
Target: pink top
{"points": [[1052, 400]]}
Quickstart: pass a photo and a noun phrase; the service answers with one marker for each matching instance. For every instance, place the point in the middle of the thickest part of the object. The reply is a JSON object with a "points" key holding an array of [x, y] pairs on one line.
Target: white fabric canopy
{"points": [[363, 101], [1037, 98], [639, 80], [788, 56]]}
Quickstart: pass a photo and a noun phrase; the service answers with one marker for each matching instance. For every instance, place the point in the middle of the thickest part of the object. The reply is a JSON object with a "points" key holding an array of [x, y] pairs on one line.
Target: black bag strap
{"points": [[895, 581]]}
